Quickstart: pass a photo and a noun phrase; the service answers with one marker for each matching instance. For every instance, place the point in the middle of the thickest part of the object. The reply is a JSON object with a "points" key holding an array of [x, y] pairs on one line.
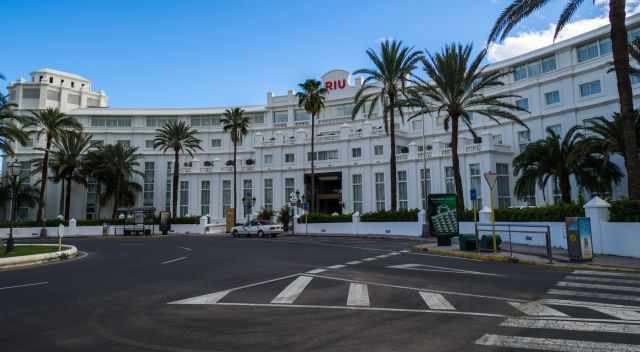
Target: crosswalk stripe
{"points": [[338, 266], [368, 259], [436, 301], [598, 286], [382, 256], [358, 295], [605, 273], [354, 262], [624, 314], [316, 271], [593, 295], [291, 292], [211, 298], [571, 325], [602, 279], [537, 309], [562, 302], [559, 345]]}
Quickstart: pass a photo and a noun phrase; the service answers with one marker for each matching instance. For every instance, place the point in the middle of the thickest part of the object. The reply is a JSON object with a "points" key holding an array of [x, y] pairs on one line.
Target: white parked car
{"points": [[261, 228]]}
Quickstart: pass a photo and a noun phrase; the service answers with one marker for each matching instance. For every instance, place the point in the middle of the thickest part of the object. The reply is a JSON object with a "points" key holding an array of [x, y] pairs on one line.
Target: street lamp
{"points": [[13, 169], [248, 203]]}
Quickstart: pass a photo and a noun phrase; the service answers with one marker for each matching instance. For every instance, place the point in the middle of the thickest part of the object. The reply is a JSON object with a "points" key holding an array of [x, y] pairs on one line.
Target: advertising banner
{"points": [[442, 214]]}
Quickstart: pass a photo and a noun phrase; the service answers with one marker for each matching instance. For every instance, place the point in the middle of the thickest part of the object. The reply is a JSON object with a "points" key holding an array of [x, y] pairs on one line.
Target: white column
{"points": [[597, 210], [484, 215]]}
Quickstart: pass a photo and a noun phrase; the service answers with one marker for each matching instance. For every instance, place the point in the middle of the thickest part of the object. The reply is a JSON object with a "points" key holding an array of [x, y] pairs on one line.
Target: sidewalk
{"points": [[534, 255]]}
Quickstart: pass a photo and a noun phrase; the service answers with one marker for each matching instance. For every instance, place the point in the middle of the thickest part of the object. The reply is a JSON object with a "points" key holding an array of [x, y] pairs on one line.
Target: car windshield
{"points": [[265, 222]]}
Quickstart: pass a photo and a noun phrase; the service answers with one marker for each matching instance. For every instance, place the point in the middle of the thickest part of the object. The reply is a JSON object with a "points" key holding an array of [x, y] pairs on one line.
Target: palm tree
{"points": [[609, 134], [67, 162], [385, 84], [27, 195], [52, 124], [114, 166], [520, 9], [11, 126], [180, 138], [574, 155], [312, 98], [237, 125], [455, 89]]}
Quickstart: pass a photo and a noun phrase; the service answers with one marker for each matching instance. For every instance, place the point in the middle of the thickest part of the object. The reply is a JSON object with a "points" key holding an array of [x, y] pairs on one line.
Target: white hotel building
{"points": [[562, 85]]}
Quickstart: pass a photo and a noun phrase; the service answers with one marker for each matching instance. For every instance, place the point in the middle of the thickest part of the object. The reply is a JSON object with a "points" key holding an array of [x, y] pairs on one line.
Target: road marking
{"points": [[174, 260], [383, 256], [536, 309], [602, 279], [624, 314], [440, 269], [593, 295], [316, 271], [368, 259], [559, 345], [597, 286], [354, 262], [605, 273], [211, 298], [463, 294], [186, 248], [571, 325], [291, 292], [436, 301], [428, 311], [25, 285], [358, 295], [562, 302], [405, 251], [339, 266]]}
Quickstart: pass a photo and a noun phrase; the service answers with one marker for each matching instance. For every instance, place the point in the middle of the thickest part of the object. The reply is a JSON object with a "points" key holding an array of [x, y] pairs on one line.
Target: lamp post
{"points": [[248, 203], [13, 169]]}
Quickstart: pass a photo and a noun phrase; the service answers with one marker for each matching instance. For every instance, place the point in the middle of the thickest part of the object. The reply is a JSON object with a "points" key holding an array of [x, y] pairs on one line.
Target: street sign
{"points": [[491, 177], [292, 197], [306, 205], [474, 194]]}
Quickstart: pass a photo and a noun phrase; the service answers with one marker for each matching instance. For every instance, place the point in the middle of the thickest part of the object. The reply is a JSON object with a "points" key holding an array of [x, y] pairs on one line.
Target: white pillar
{"points": [[73, 229], [355, 223], [484, 215], [597, 210], [204, 220]]}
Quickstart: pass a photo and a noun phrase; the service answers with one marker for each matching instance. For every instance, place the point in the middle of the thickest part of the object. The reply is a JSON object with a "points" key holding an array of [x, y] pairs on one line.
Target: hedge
{"points": [[625, 211], [410, 215], [318, 218], [55, 222]]}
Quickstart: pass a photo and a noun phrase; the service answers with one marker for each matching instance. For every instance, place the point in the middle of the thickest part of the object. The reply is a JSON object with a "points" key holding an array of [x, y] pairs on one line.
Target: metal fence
{"points": [[507, 230]]}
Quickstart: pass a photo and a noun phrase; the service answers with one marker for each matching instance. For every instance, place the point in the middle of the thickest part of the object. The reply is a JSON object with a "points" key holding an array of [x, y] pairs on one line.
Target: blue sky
{"points": [[220, 53]]}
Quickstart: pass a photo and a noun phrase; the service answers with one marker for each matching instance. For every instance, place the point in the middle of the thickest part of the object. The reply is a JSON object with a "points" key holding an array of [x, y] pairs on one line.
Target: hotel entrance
{"points": [[328, 192]]}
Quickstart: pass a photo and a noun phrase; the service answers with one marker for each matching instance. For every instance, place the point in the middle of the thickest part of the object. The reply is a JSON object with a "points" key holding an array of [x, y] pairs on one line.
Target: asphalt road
{"points": [[307, 294]]}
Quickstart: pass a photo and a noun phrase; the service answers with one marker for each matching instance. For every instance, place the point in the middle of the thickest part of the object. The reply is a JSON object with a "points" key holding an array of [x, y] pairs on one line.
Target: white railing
{"points": [[279, 124], [328, 138], [402, 156], [472, 148]]}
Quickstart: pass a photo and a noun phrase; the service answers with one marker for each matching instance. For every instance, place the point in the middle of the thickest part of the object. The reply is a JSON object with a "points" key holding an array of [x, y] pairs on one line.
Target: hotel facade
{"points": [[562, 85]]}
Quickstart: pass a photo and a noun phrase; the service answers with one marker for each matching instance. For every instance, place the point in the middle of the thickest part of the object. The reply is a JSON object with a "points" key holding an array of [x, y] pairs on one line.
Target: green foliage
{"points": [[625, 211], [317, 218], [193, 220], [553, 213], [284, 217], [402, 215], [265, 214]]}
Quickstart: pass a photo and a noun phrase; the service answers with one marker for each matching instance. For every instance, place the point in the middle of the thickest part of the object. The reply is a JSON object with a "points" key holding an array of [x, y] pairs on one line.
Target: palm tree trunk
{"points": [[313, 159], [619, 40], [392, 161], [565, 188], [116, 198], [174, 186], [67, 200], [456, 165], [43, 182], [235, 183], [62, 193], [98, 200]]}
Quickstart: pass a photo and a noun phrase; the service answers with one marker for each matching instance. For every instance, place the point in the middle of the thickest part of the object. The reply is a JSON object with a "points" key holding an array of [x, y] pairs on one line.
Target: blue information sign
{"points": [[474, 195]]}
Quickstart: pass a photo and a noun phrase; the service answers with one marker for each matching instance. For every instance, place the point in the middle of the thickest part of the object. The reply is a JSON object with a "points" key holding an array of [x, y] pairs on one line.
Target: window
{"points": [[523, 103], [324, 155], [31, 93], [257, 118], [73, 99], [448, 180], [551, 98], [301, 116], [548, 64], [338, 111], [356, 153], [357, 193], [475, 180], [92, 198], [216, 143], [587, 52], [289, 158], [535, 68], [205, 198], [378, 150], [50, 79], [159, 121], [124, 142], [226, 197], [605, 46], [149, 181], [73, 84], [168, 189], [502, 181], [268, 159], [184, 198], [247, 193], [53, 95], [403, 193], [289, 187], [201, 121], [635, 78], [379, 177], [268, 193], [557, 129], [148, 143], [520, 73], [590, 88], [557, 195], [524, 138], [425, 186], [93, 102], [280, 117], [108, 122]]}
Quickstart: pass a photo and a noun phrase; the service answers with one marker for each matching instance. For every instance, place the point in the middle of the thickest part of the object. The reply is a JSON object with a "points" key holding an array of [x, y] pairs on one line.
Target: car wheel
{"points": [[260, 233], [274, 235], [234, 233]]}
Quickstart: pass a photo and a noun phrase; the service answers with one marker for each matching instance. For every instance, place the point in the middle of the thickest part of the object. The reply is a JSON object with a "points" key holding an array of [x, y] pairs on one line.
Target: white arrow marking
{"points": [[571, 325], [537, 309], [559, 345], [436, 301], [291, 292]]}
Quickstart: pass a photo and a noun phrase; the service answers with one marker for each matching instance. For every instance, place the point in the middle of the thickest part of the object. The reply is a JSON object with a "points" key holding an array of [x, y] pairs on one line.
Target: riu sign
{"points": [[336, 84]]}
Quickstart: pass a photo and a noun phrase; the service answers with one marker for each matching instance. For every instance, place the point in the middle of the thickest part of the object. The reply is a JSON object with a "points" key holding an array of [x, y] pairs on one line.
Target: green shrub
{"points": [[552, 213], [284, 217], [625, 211], [409, 215], [265, 214], [318, 218]]}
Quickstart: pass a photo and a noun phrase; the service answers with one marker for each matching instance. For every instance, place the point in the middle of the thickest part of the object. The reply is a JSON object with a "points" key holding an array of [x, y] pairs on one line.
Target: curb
{"points": [[13, 262], [505, 259], [387, 237]]}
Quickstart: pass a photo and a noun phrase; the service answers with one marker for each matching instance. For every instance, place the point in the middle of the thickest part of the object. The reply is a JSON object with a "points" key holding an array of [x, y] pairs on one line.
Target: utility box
{"points": [[579, 241]]}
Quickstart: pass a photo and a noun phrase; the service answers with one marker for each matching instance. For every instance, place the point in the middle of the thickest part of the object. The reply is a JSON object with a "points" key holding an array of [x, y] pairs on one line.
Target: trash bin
{"points": [[579, 242], [468, 242], [486, 242]]}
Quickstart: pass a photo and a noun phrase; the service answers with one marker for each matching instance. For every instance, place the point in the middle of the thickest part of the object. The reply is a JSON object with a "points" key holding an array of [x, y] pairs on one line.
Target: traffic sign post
{"points": [[474, 197], [492, 178]]}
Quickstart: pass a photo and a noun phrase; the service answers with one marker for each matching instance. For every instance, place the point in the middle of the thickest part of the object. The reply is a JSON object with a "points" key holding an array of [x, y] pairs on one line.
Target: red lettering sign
{"points": [[336, 85]]}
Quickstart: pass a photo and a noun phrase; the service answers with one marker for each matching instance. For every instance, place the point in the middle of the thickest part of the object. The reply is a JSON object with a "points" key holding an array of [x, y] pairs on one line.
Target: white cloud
{"points": [[530, 40]]}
